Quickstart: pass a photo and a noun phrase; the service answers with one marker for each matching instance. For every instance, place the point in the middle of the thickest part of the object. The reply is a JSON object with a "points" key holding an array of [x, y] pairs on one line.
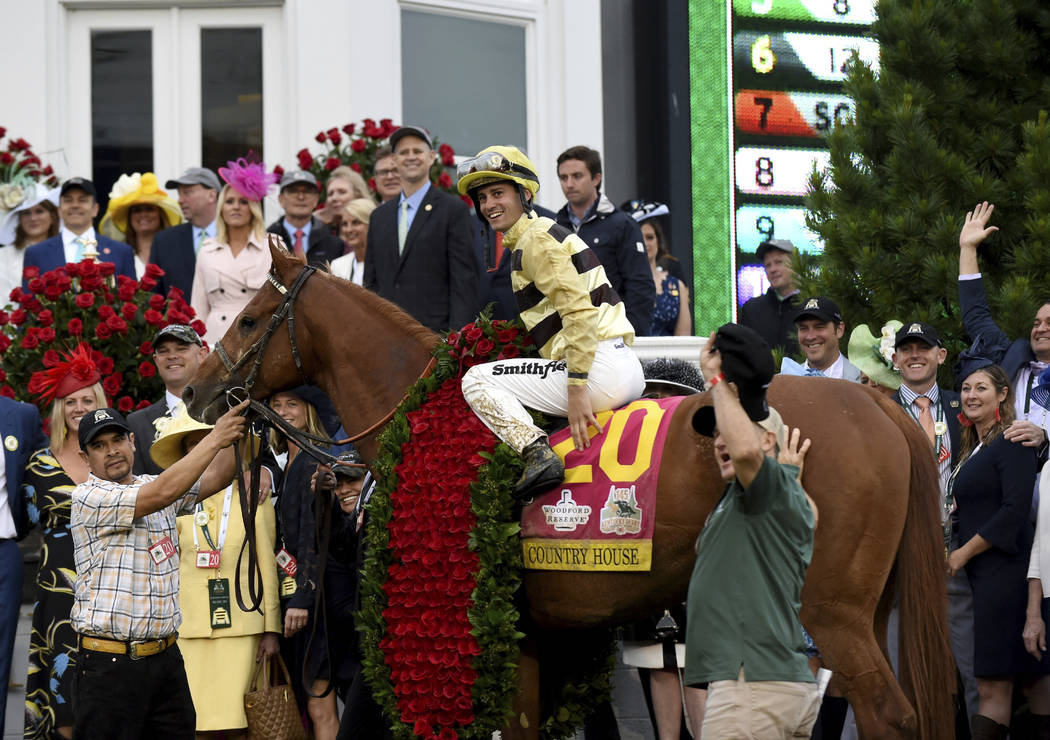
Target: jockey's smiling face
{"points": [[500, 204]]}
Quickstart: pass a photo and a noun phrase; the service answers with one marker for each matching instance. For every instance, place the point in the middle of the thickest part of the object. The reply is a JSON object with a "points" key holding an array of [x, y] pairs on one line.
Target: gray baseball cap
{"points": [[196, 176], [297, 176], [418, 131]]}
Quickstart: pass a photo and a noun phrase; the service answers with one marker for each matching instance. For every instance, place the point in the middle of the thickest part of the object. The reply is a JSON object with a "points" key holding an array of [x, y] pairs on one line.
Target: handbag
{"points": [[271, 710]]}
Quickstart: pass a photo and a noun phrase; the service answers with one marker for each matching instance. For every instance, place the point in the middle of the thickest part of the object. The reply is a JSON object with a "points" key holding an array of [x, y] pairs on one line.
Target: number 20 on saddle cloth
{"points": [[602, 516]]}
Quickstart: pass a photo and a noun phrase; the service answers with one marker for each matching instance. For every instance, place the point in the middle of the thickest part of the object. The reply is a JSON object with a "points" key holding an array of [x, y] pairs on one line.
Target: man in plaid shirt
{"points": [[130, 680]]}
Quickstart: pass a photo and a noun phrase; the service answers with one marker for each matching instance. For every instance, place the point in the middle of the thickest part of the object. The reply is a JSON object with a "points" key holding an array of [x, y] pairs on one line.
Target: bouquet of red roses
{"points": [[356, 148], [84, 302]]}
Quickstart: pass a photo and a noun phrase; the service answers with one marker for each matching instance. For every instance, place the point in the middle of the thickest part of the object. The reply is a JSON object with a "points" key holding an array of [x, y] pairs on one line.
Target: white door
{"points": [[170, 88]]}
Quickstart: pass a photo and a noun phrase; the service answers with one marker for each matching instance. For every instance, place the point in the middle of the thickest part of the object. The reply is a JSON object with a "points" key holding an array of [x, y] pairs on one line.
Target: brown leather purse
{"points": [[271, 710]]}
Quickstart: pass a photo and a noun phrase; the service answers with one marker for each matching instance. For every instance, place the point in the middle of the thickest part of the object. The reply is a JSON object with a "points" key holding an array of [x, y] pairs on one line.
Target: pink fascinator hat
{"points": [[250, 179]]}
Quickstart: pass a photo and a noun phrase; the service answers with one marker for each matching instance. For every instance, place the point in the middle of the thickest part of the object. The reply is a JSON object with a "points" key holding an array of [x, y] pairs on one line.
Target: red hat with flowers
{"points": [[65, 374]]}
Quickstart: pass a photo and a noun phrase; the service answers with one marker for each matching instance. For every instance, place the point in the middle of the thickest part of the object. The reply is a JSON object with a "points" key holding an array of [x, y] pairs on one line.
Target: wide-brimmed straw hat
{"points": [[167, 450], [873, 355], [131, 190]]}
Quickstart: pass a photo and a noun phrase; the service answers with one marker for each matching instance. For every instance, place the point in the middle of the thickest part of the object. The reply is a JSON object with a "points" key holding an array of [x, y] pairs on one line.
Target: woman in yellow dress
{"points": [[220, 646]]}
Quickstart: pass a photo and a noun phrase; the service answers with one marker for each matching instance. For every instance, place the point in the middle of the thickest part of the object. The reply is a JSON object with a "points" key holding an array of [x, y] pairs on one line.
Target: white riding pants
{"points": [[498, 392]]}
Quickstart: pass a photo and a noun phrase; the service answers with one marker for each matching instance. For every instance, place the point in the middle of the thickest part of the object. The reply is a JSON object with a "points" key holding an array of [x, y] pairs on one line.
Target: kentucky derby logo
{"points": [[811, 303], [621, 513], [566, 515], [914, 329], [102, 415]]}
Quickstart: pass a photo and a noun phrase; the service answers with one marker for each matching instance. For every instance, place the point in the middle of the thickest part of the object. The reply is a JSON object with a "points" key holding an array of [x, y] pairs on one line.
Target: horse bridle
{"points": [[286, 308]]}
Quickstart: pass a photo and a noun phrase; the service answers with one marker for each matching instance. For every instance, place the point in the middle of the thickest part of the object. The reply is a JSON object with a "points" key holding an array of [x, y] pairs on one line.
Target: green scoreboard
{"points": [[765, 86]]}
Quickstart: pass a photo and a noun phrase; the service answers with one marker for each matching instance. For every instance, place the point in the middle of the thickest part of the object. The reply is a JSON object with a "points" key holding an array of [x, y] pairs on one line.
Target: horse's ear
{"points": [[285, 265]]}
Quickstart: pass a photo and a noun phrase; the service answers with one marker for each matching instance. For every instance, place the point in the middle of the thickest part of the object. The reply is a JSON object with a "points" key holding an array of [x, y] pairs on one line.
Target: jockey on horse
{"points": [[565, 300]]}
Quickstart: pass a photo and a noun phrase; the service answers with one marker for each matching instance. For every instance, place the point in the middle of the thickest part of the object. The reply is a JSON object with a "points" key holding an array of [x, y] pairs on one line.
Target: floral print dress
{"points": [[666, 308], [52, 643]]}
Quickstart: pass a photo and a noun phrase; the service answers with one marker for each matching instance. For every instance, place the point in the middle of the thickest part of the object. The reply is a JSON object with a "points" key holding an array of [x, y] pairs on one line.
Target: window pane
{"points": [[464, 80], [121, 107], [231, 94]]}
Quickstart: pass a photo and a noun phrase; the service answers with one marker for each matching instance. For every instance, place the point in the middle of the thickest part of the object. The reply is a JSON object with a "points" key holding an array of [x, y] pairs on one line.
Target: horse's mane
{"points": [[387, 309]]}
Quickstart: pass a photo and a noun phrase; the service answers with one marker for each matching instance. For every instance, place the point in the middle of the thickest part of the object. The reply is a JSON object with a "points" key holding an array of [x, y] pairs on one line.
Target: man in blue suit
{"points": [[20, 430], [175, 250], [77, 207], [1024, 359]]}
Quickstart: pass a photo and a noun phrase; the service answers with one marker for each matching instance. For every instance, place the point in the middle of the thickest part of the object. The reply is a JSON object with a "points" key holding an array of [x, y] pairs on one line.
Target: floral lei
{"points": [[439, 621]]}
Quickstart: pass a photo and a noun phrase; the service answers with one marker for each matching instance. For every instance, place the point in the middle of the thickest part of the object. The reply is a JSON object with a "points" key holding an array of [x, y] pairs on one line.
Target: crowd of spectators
{"points": [[427, 252]]}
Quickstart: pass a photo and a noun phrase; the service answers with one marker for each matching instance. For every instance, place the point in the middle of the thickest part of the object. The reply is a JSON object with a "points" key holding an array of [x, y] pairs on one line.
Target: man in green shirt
{"points": [[743, 634]]}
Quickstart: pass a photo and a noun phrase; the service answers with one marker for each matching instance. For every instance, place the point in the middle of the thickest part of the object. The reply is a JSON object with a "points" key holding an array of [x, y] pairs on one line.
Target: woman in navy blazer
{"points": [[992, 487]]}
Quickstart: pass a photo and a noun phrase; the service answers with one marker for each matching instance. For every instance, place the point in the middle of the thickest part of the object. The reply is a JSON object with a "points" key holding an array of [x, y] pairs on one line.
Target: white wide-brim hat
{"points": [[39, 194]]}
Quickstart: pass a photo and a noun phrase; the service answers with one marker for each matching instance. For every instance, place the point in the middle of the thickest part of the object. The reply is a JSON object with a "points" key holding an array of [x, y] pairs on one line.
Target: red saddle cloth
{"points": [[601, 517]]}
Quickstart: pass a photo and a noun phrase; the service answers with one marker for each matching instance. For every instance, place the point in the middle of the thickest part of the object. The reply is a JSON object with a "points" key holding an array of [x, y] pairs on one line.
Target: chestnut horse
{"points": [[870, 472]]}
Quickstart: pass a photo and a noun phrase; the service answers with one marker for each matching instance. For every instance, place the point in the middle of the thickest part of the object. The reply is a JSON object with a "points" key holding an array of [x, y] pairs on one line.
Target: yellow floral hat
{"points": [[167, 449], [131, 190]]}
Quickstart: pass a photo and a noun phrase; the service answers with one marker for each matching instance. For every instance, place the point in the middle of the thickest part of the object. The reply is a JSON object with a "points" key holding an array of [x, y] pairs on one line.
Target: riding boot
{"points": [[543, 470], [985, 728], [1041, 724]]}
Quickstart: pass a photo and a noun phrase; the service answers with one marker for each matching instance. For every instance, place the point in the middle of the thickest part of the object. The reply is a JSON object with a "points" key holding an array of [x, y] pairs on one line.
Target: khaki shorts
{"points": [[759, 710]]}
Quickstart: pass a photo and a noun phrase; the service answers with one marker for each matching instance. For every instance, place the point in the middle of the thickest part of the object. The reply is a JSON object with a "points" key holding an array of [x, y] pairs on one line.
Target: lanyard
{"points": [[223, 525], [949, 499]]}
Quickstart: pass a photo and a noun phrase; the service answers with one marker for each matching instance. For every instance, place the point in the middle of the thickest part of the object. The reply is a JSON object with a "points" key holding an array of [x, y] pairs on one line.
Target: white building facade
{"points": [[100, 87]]}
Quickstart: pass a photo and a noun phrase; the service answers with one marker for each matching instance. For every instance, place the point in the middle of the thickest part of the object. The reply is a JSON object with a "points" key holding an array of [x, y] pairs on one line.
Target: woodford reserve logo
{"points": [[566, 515], [621, 513]]}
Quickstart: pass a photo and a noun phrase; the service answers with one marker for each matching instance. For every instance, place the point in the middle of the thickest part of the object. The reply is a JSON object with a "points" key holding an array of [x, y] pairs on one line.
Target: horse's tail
{"points": [[927, 674]]}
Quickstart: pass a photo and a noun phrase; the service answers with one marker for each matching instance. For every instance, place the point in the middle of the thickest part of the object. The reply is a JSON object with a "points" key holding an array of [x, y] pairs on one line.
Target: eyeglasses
{"points": [[386, 173]]}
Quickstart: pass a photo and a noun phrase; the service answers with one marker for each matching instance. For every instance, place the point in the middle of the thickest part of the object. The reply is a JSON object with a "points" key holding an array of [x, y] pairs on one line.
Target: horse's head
{"points": [[257, 356]]}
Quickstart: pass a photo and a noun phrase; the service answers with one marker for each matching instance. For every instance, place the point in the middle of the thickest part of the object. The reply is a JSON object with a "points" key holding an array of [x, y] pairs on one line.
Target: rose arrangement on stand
{"points": [[84, 302], [439, 621], [355, 146]]}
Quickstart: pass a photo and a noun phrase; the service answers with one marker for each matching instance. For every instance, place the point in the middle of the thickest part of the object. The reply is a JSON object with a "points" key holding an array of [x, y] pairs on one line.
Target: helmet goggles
{"points": [[496, 164]]}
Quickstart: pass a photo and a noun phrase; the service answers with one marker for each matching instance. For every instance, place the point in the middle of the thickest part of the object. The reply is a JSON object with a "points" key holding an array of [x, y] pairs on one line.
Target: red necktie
{"points": [[298, 248]]}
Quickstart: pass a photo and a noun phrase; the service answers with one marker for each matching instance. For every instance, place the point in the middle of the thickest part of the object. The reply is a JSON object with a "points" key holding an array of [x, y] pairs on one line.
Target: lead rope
{"points": [[323, 536], [249, 498]]}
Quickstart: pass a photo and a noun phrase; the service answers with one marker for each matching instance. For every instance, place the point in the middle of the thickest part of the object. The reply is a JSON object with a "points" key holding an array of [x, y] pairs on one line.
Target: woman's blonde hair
{"points": [[58, 428], [360, 208], [258, 223], [358, 186], [313, 423]]}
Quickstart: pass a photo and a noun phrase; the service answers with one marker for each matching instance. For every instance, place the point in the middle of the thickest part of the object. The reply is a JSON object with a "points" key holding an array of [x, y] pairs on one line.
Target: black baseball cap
{"points": [[94, 422], [782, 245], [917, 330], [417, 131], [179, 332], [821, 308], [346, 463], [78, 182]]}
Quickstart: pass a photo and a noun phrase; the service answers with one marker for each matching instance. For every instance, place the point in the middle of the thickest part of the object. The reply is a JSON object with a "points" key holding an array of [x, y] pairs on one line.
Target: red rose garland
{"points": [[429, 647], [439, 617]]}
